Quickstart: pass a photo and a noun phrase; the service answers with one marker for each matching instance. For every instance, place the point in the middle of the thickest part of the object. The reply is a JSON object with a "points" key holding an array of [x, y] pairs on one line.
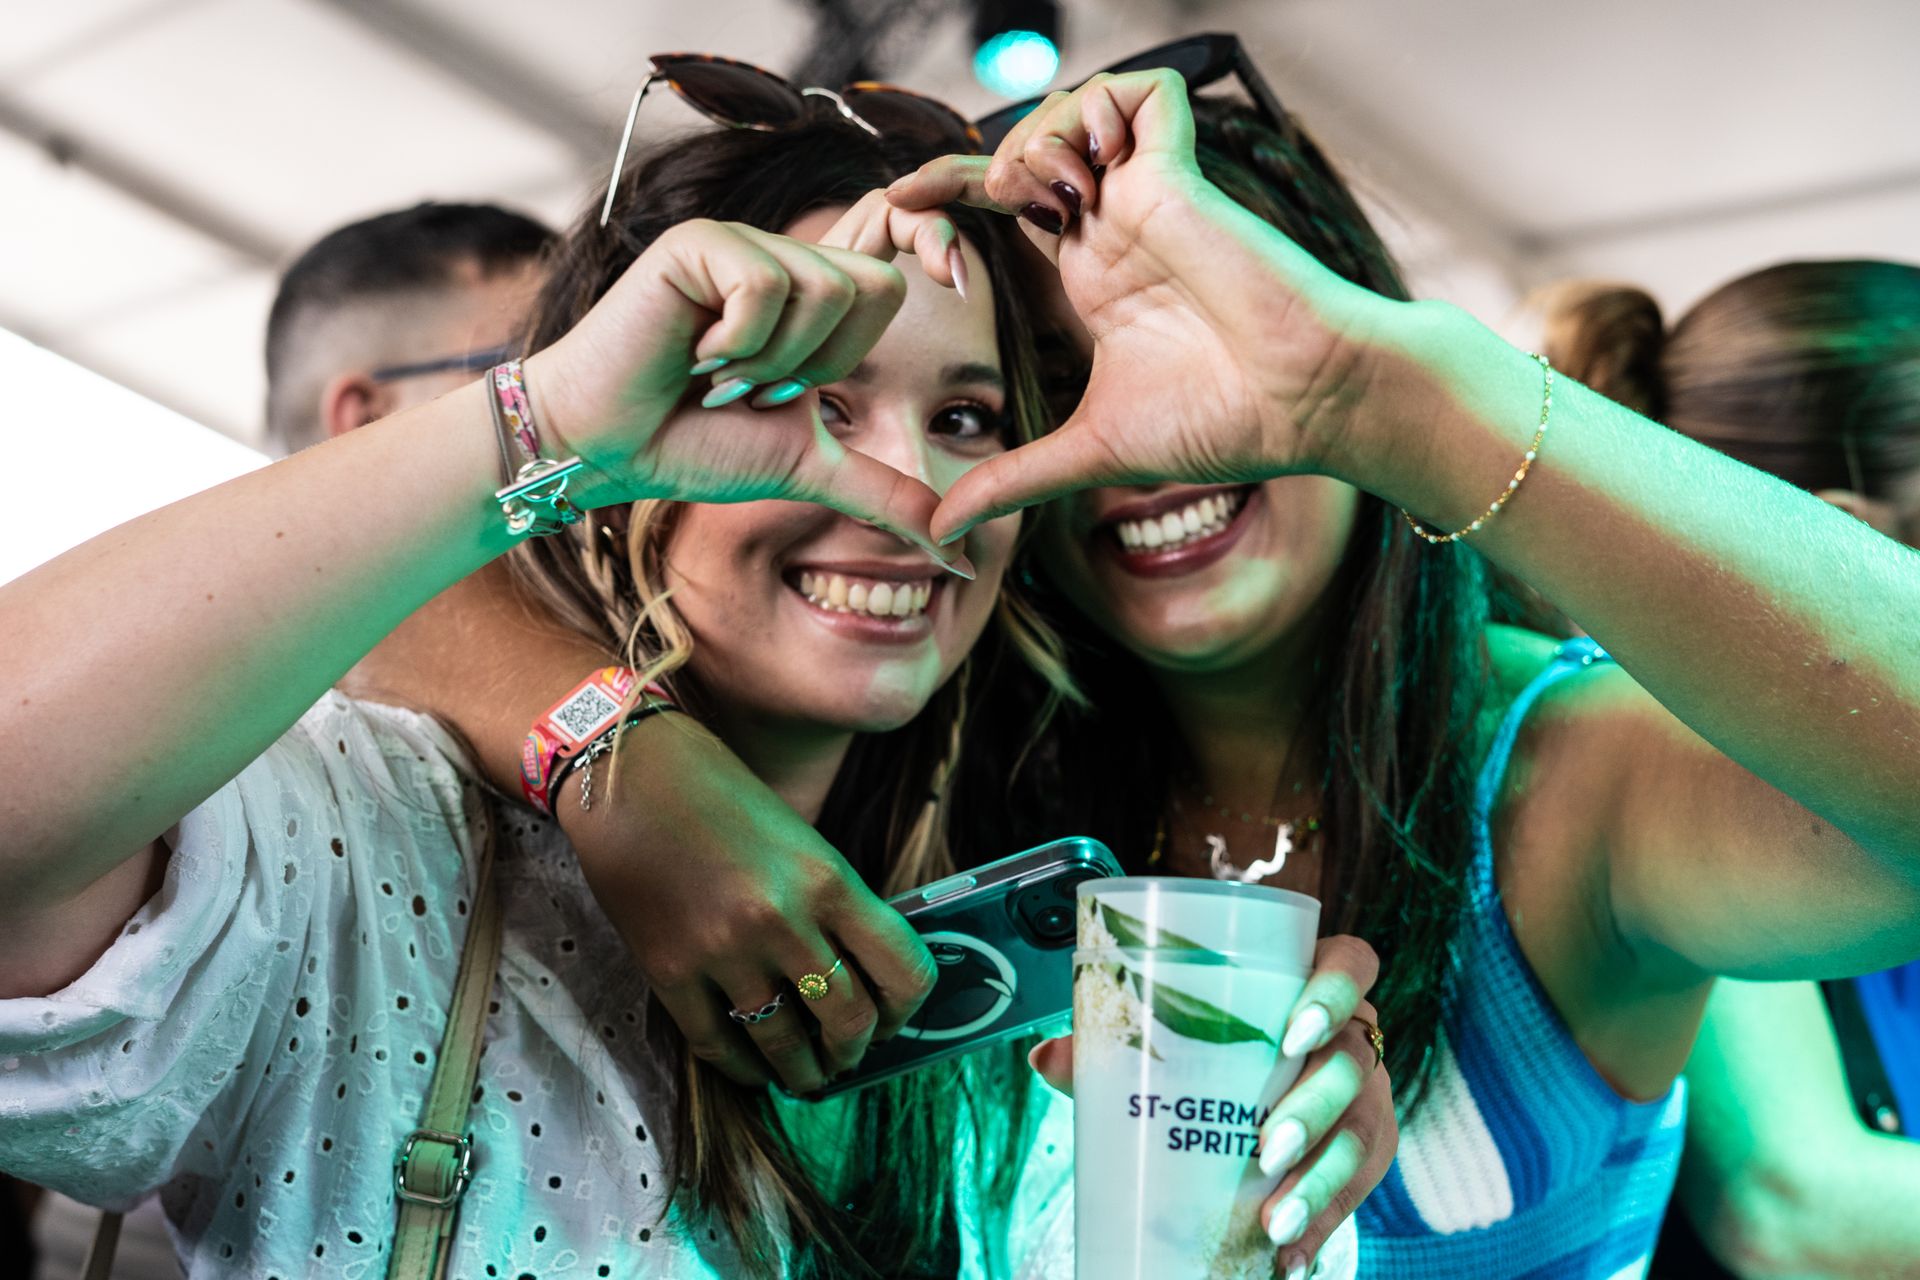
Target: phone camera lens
{"points": [[1053, 922]]}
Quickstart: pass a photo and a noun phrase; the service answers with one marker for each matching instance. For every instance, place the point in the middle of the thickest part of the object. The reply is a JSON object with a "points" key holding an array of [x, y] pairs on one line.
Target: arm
{"points": [[1771, 744], [1780, 1177], [179, 645], [719, 888]]}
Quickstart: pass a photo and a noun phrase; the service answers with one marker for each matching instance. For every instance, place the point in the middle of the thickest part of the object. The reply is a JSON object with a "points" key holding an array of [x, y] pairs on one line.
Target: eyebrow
{"points": [[971, 372]]}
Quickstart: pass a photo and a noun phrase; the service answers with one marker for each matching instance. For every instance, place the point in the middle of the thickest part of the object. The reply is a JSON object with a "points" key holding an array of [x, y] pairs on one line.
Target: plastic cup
{"points": [[1180, 998]]}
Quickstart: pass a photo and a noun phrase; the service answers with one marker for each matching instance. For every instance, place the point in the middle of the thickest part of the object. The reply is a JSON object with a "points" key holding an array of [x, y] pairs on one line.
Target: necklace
{"points": [[1219, 862]]}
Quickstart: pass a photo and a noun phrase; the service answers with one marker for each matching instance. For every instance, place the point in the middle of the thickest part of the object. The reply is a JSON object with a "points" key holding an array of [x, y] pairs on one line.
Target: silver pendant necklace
{"points": [[1259, 869]]}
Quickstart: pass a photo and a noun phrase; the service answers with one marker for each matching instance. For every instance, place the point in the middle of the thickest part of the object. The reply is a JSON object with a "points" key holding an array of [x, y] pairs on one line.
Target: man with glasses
{"points": [[394, 311]]}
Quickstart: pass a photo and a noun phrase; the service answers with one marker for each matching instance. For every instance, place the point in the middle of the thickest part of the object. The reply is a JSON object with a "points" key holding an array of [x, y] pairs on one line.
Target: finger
{"points": [[947, 180], [1305, 1214], [716, 268], [819, 296], [899, 969], [697, 1009], [845, 1013], [867, 489], [1072, 457], [1053, 1061], [1344, 969], [784, 1037], [1310, 1110], [1148, 109], [877, 229], [1012, 184], [1056, 154]]}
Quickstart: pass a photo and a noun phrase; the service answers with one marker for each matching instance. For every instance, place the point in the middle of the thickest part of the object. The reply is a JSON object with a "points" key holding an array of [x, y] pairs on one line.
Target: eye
{"points": [[832, 412], [971, 424]]}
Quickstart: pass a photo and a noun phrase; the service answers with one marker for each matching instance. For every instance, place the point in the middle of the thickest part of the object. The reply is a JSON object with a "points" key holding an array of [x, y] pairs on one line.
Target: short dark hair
{"points": [[406, 250]]}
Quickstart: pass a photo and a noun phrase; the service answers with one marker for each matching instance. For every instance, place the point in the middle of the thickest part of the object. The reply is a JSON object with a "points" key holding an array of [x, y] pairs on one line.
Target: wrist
{"points": [[572, 428]]}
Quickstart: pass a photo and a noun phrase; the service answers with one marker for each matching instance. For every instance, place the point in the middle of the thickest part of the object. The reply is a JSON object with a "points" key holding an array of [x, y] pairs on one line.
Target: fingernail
{"points": [[1069, 196], [1283, 1146], [1044, 218], [1288, 1221], [1305, 1032], [957, 264], [726, 393], [780, 393], [1297, 1267], [959, 566], [713, 365], [1093, 148]]}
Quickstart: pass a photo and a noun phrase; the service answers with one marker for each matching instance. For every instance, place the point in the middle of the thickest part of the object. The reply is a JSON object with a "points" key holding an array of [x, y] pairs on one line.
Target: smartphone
{"points": [[1002, 935]]}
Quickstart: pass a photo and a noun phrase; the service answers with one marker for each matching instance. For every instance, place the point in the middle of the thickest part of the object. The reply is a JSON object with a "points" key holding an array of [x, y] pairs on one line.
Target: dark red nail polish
{"points": [[1044, 218], [1069, 197]]}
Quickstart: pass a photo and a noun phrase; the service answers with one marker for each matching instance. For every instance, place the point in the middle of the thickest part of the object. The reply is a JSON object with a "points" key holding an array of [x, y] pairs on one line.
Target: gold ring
{"points": [[813, 986], [1374, 1038]]}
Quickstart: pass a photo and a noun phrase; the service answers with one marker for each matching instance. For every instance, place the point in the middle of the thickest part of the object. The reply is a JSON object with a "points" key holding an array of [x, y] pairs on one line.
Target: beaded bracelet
{"points": [[534, 499], [1526, 465], [574, 724]]}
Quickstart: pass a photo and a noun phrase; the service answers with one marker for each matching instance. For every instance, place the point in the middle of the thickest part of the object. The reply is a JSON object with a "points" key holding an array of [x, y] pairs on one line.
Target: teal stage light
{"points": [[1016, 64]]}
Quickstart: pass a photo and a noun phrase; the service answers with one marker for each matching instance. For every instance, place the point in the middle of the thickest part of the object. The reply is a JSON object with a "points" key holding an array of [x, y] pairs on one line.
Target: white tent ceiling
{"points": [[159, 159]]}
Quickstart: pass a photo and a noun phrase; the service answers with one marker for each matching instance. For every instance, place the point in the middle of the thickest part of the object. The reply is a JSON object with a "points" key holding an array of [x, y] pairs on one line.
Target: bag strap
{"points": [[435, 1161], [106, 1239]]}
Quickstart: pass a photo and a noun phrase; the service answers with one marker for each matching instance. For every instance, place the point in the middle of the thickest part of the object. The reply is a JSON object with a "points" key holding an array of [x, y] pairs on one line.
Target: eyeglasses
{"points": [[743, 96], [472, 362], [1201, 60]]}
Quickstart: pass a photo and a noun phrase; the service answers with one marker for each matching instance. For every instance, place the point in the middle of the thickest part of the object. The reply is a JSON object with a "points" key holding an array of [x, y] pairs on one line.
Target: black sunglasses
{"points": [[1200, 60], [472, 362], [743, 96]]}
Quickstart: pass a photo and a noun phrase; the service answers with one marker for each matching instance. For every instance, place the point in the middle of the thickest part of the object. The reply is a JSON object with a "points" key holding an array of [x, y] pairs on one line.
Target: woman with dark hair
{"points": [[1554, 858], [1809, 371]]}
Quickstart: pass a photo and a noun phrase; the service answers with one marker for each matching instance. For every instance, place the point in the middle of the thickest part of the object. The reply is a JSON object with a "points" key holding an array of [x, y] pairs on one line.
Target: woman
{"points": [[262, 1031], [1809, 371], [1553, 863]]}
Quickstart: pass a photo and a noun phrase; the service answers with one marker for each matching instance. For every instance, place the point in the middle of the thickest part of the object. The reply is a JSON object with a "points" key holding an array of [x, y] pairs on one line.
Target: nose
{"points": [[893, 435]]}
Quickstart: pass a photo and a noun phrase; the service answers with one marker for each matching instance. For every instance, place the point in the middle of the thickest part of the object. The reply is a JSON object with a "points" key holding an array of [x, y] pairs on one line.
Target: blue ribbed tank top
{"points": [[1521, 1161]]}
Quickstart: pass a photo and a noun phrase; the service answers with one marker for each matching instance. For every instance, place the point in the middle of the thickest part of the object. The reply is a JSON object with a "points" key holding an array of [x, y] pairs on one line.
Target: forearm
{"points": [[1778, 628], [155, 661], [1780, 1177]]}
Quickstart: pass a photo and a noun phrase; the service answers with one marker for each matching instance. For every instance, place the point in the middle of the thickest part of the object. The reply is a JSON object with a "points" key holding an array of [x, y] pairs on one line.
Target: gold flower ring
{"points": [[813, 986]]}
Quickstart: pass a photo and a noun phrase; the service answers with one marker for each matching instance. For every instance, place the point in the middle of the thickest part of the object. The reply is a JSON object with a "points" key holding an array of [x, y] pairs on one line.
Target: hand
{"points": [[725, 895], [784, 317], [1222, 351], [1333, 1135]]}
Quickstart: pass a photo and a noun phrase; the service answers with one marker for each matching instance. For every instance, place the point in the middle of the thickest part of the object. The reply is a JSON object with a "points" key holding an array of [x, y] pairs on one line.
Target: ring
{"points": [[813, 986], [1374, 1038], [747, 1018]]}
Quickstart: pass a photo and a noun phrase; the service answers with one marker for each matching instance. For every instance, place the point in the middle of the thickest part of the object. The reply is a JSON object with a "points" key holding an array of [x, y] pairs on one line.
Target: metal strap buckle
{"points": [[462, 1174]]}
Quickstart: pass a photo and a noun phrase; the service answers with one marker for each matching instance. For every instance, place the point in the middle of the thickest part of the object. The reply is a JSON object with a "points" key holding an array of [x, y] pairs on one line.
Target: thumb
{"points": [[1074, 456], [1053, 1060], [865, 488]]}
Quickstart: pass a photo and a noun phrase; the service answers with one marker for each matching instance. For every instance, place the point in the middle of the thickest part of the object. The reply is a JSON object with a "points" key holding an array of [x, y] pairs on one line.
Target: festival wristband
{"points": [[571, 725]]}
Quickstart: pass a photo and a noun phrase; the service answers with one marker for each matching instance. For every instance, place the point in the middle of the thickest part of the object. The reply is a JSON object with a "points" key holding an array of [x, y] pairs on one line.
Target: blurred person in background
{"points": [[373, 318], [1798, 1158]]}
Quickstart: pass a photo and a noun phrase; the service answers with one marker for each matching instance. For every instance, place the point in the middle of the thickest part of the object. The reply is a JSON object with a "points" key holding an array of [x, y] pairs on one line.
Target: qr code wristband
{"points": [[571, 725]]}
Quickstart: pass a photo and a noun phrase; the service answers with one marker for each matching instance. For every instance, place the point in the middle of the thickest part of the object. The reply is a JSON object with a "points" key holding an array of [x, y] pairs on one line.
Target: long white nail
{"points": [[1305, 1032], [1288, 1221], [1283, 1146], [1297, 1267], [957, 264]]}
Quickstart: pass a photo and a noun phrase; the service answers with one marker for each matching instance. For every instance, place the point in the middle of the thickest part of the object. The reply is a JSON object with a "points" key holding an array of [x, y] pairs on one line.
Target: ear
{"points": [[351, 400], [1881, 515]]}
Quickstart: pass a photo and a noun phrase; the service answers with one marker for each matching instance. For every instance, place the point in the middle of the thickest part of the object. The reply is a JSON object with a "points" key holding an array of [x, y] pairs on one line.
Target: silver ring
{"points": [[747, 1018]]}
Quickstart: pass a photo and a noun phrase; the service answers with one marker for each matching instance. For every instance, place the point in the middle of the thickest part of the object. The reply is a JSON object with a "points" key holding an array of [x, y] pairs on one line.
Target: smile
{"points": [[1178, 533], [871, 597]]}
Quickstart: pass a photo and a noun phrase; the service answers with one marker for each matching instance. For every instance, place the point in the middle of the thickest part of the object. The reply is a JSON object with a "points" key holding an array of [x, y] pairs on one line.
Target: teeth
{"points": [[1201, 518], [837, 594]]}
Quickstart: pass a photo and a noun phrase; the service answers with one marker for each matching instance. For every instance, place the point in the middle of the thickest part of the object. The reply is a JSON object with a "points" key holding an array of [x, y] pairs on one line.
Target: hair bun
{"points": [[1610, 337]]}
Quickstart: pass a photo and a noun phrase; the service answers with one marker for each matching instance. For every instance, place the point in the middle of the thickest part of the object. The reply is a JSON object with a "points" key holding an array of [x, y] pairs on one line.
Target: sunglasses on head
{"points": [[471, 362], [743, 96], [1200, 60]]}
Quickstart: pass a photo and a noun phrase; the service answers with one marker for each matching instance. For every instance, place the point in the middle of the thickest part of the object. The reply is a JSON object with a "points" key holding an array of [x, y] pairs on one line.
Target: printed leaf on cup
{"points": [[1194, 1018], [1135, 1041], [1130, 931]]}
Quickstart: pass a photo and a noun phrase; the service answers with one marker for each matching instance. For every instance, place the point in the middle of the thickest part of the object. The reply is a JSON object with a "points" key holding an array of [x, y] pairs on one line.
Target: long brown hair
{"points": [[1807, 370], [907, 807], [1399, 667]]}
